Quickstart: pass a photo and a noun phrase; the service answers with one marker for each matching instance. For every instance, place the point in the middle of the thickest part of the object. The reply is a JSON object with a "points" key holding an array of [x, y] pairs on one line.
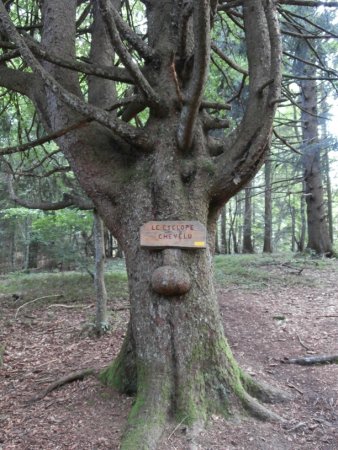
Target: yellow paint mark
{"points": [[199, 244]]}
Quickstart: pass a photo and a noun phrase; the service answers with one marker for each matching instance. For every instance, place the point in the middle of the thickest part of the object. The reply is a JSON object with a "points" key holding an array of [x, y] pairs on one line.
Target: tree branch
{"points": [[229, 61], [67, 201], [285, 142], [43, 140], [134, 40], [201, 22], [109, 73], [15, 80], [135, 72], [246, 146], [129, 133]]}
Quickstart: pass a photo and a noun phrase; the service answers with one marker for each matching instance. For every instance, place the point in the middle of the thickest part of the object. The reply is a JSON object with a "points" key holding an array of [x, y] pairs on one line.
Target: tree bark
{"points": [[224, 243], [101, 319], [267, 245], [318, 234], [247, 222], [175, 357]]}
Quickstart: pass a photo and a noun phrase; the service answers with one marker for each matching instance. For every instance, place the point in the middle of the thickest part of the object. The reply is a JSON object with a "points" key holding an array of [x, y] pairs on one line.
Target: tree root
{"points": [[74, 376], [258, 410], [264, 391], [311, 360]]}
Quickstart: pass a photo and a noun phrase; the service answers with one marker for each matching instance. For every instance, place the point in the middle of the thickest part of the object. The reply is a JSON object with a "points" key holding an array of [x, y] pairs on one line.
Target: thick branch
{"points": [[199, 74], [109, 73], [126, 131], [246, 146], [134, 40], [126, 58], [15, 80]]}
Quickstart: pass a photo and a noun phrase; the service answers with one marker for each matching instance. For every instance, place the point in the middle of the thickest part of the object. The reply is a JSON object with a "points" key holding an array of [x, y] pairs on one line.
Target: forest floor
{"points": [[272, 308]]}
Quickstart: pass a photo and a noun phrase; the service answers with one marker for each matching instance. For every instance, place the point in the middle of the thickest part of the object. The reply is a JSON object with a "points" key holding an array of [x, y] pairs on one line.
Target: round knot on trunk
{"points": [[168, 280]]}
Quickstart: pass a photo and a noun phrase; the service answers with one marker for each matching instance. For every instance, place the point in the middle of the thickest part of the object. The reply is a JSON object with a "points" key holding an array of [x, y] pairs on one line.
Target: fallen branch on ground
{"points": [[295, 270], [61, 305], [35, 300], [74, 376], [310, 360]]}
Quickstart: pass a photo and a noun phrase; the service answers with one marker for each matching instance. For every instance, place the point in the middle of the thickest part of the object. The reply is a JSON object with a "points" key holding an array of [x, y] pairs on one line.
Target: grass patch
{"points": [[244, 271], [73, 286], [260, 270]]}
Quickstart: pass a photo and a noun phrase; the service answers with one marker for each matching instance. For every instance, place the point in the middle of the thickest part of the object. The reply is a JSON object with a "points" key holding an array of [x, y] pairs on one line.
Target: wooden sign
{"points": [[180, 233]]}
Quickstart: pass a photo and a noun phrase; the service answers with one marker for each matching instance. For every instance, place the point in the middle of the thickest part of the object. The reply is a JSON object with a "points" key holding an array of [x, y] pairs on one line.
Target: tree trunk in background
{"points": [[33, 253], [217, 240], [12, 247], [247, 223], [318, 234], [329, 194], [119, 251], [101, 319], [267, 246], [301, 242], [293, 228], [224, 244]]}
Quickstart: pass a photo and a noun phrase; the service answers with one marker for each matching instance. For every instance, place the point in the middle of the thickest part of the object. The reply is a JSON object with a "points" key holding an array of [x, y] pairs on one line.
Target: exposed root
{"points": [[258, 410], [143, 431], [122, 373], [264, 391], [74, 376], [149, 414]]}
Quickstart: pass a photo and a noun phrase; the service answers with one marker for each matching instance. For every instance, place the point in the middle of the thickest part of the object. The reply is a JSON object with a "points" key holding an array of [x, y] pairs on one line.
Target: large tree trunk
{"points": [[175, 357]]}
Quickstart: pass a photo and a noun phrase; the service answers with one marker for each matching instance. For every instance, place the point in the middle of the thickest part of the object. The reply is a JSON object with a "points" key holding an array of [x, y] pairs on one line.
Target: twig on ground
{"points": [[296, 427], [295, 270], [295, 388], [35, 300], [302, 343]]}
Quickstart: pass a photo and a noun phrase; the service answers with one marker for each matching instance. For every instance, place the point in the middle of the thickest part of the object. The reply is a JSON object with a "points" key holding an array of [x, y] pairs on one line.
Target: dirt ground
{"points": [[263, 326]]}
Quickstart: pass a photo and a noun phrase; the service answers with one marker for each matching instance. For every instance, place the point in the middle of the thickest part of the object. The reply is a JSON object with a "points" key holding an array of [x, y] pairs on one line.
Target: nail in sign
{"points": [[179, 233]]}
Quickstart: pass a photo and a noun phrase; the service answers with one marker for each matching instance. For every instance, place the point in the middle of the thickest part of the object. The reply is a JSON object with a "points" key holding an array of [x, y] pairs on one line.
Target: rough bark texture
{"points": [[318, 233], [175, 356]]}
